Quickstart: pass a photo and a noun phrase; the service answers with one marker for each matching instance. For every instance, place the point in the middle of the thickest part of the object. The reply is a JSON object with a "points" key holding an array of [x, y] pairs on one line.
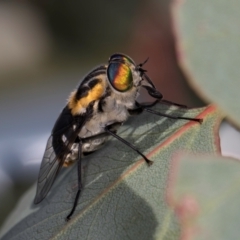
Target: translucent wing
{"points": [[57, 150], [49, 169]]}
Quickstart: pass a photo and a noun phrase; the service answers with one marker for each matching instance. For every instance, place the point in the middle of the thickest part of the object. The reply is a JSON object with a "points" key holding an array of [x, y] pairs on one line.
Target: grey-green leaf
{"points": [[209, 50], [205, 194], [122, 198]]}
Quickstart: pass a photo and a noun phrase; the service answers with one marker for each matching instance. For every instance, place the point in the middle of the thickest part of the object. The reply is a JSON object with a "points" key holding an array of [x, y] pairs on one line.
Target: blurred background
{"points": [[46, 47]]}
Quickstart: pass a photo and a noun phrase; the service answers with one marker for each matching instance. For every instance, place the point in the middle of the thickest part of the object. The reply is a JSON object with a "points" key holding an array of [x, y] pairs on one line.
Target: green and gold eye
{"points": [[121, 58], [120, 76]]}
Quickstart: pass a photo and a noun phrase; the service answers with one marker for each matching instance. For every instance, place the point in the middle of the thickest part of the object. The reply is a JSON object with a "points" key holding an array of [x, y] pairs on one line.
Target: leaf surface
{"points": [[209, 50], [122, 198], [205, 196]]}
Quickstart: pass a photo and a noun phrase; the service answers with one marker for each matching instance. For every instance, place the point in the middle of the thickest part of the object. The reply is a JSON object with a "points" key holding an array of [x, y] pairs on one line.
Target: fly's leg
{"points": [[172, 117], [79, 169], [173, 103], [149, 162], [111, 130], [140, 108]]}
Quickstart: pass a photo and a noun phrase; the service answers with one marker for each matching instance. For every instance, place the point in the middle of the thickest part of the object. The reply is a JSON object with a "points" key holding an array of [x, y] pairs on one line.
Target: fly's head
{"points": [[125, 77]]}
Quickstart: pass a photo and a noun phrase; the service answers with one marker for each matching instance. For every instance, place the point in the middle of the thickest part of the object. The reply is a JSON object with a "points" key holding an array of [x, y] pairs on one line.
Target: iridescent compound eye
{"points": [[120, 76], [121, 57]]}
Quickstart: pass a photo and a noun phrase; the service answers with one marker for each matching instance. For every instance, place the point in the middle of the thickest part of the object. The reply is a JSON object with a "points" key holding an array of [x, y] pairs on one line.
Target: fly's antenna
{"points": [[141, 64], [139, 67]]}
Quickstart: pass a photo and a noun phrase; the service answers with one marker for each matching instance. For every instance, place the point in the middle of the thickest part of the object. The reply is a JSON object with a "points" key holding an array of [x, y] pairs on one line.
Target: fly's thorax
{"points": [[99, 120], [88, 92]]}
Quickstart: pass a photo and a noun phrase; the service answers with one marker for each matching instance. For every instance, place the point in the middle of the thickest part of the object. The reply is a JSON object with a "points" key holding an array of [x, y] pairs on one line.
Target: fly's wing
{"points": [[49, 169], [57, 150]]}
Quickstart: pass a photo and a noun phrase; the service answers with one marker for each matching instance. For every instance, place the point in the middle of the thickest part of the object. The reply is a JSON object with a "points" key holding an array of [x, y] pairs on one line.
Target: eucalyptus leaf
{"points": [[205, 194], [123, 198], [209, 50]]}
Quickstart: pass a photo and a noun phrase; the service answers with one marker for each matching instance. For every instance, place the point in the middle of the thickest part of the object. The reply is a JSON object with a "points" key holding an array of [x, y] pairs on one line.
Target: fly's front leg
{"points": [[140, 107], [146, 108], [173, 103]]}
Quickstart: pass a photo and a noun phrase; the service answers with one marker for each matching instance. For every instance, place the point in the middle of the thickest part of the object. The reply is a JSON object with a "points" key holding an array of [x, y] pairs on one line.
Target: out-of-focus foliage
{"points": [[209, 42], [205, 195]]}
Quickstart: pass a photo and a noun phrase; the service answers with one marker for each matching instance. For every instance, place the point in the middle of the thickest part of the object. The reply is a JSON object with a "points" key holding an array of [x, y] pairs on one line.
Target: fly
{"points": [[95, 110]]}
